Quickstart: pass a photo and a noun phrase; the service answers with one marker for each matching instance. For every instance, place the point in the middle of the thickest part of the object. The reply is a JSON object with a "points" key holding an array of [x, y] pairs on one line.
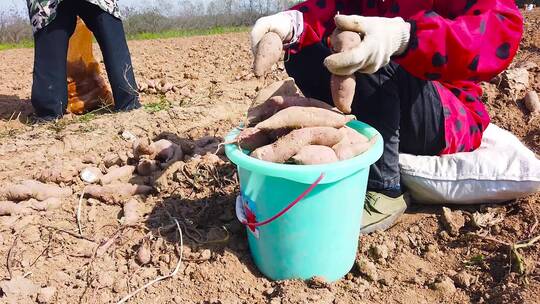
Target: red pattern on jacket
{"points": [[455, 43]]}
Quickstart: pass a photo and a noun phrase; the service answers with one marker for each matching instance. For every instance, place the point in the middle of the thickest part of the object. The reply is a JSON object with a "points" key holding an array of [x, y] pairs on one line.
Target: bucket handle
{"points": [[246, 216]]}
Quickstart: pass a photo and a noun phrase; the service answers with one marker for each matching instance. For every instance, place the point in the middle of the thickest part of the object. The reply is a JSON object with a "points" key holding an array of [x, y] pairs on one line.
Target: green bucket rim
{"points": [[307, 174]]}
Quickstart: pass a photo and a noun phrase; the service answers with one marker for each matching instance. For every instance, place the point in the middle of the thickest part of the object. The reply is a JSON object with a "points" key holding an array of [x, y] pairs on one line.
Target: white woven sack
{"points": [[501, 169]]}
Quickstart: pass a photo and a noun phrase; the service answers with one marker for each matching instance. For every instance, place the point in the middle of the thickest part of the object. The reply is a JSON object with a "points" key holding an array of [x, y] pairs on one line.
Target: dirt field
{"points": [[417, 261]]}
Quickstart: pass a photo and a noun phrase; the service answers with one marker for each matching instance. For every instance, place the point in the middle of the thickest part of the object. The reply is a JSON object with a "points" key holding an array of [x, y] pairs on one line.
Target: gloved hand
{"points": [[382, 39], [286, 24]]}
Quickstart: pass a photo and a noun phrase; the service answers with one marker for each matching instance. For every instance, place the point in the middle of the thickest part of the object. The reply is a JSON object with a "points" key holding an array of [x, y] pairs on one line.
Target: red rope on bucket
{"points": [[253, 225]]}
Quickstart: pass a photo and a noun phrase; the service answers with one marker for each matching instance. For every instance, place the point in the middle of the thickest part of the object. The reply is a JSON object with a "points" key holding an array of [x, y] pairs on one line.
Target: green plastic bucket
{"points": [[319, 235]]}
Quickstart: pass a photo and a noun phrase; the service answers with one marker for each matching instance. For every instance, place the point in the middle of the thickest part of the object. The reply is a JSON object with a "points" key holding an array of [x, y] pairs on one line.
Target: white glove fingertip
{"points": [[350, 23], [335, 64]]}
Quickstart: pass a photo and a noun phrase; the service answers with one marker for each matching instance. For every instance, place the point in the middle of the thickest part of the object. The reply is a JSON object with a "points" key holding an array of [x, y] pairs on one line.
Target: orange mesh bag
{"points": [[87, 90]]}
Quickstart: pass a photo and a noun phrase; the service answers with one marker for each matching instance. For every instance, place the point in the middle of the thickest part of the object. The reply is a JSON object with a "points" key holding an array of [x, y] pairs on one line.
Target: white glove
{"points": [[288, 25], [382, 39]]}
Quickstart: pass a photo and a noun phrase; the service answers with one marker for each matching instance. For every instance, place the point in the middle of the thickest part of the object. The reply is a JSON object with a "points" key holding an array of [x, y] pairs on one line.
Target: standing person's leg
{"points": [[110, 35], [49, 87]]}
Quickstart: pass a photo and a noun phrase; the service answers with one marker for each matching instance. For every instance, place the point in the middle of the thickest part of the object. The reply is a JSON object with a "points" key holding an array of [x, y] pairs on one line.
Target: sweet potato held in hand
{"points": [[343, 87], [268, 53]]}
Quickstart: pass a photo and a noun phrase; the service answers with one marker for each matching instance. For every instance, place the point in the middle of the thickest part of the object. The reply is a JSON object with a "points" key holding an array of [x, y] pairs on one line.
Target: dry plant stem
{"points": [[73, 234], [79, 212], [173, 273], [515, 256], [44, 250], [527, 243], [8, 258], [102, 249]]}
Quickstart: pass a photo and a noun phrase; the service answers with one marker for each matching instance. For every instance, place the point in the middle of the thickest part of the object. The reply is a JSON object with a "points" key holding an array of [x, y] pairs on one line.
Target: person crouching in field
{"points": [[417, 72], [53, 23]]}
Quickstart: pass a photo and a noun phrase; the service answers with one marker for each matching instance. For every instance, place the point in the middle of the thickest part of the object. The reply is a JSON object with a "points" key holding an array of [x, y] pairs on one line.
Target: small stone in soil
{"points": [[463, 279], [414, 229], [46, 295], [128, 136], [119, 285], [275, 301], [452, 220], [317, 282], [378, 252], [444, 235], [386, 279], [444, 285], [205, 255], [367, 269], [269, 291]]}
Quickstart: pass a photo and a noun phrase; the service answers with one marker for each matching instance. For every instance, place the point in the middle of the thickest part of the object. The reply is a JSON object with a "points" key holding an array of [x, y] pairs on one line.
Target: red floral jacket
{"points": [[455, 43]]}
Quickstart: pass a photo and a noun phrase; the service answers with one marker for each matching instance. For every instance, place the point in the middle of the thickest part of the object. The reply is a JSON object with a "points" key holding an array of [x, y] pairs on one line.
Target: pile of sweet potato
{"points": [[268, 53], [299, 130]]}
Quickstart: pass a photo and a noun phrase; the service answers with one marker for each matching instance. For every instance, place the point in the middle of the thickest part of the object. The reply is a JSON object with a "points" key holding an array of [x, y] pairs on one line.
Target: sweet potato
{"points": [[122, 174], [144, 254], [352, 144], [11, 208], [343, 87], [141, 147], [163, 150], [114, 193], [315, 155], [285, 87], [112, 159], [34, 189], [250, 139], [301, 117], [147, 166], [289, 145], [277, 103], [131, 216], [268, 53], [56, 173], [46, 205], [532, 102]]}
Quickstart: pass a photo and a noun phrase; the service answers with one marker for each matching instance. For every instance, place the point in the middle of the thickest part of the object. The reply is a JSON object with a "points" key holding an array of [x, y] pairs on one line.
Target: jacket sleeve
{"points": [[475, 45], [318, 21]]}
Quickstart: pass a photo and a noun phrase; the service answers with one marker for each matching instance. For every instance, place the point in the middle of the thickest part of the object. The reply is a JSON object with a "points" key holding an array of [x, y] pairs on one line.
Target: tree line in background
{"points": [[195, 15], [171, 15]]}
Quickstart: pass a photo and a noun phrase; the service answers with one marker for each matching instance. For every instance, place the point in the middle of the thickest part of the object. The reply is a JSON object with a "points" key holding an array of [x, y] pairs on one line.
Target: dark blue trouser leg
{"points": [[407, 111], [110, 35], [49, 87]]}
